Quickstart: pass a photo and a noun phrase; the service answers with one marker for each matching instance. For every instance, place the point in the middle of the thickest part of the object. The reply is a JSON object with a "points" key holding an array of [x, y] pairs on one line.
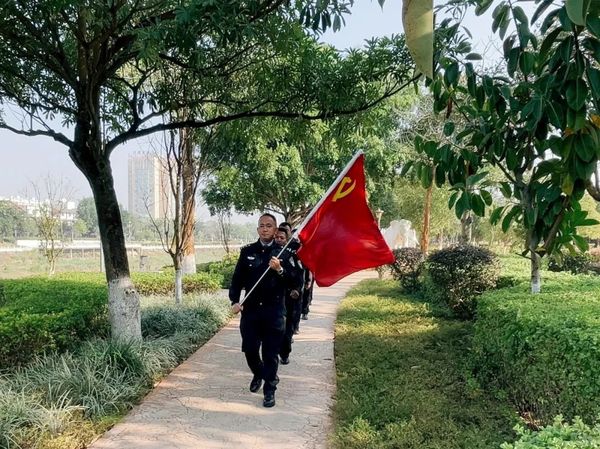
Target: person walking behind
{"points": [[292, 299], [262, 324], [307, 296]]}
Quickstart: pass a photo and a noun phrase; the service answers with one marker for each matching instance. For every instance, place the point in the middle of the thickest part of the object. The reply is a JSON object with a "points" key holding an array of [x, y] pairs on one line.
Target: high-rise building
{"points": [[149, 189]]}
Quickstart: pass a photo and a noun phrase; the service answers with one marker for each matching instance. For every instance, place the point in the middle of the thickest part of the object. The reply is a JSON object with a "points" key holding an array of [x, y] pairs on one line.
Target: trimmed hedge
{"points": [[222, 269], [41, 314], [38, 315], [543, 350], [407, 268]]}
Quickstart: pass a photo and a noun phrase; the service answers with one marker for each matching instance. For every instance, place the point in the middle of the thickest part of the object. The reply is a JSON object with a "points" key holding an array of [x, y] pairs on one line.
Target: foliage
{"points": [[537, 123], [39, 315], [401, 366], [14, 222], [542, 350], [407, 268], [558, 435], [578, 263], [223, 268], [65, 393], [86, 214], [285, 167], [460, 274]]}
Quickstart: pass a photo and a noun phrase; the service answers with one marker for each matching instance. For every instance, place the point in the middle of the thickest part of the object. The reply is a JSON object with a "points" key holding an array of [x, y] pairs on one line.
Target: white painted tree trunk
{"points": [[178, 285], [124, 310], [536, 278], [188, 264]]}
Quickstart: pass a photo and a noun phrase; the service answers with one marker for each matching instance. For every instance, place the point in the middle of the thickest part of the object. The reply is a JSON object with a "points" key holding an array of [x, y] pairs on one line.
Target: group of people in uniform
{"points": [[278, 295]]}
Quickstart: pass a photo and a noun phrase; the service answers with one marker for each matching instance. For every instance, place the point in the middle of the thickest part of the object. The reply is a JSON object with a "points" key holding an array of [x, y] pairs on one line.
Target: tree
{"points": [[86, 213], [14, 222], [285, 167], [538, 124], [51, 205], [103, 68]]}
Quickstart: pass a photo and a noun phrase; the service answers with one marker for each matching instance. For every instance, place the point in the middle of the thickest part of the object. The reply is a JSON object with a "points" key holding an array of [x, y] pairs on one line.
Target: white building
{"points": [[149, 190]]}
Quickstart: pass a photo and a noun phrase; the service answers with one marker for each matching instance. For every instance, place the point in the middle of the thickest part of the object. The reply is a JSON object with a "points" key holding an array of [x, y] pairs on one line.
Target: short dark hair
{"points": [[284, 229], [286, 224], [267, 214]]}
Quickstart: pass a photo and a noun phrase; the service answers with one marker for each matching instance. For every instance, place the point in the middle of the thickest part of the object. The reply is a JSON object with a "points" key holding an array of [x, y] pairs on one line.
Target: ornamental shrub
{"points": [[222, 269], [458, 274], [542, 351], [558, 435], [578, 263], [407, 268]]}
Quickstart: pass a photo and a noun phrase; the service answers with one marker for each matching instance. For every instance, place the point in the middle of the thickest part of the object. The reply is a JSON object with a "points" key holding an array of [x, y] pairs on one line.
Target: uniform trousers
{"points": [[262, 328]]}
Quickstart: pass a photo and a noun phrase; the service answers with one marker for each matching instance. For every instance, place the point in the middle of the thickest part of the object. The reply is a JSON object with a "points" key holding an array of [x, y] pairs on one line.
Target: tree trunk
{"points": [[536, 279], [188, 218], [426, 219], [178, 285], [466, 228], [123, 299]]}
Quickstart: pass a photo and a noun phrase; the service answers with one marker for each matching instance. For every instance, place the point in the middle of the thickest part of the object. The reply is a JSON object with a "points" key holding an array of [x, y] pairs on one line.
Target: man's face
{"points": [[266, 228], [281, 238]]}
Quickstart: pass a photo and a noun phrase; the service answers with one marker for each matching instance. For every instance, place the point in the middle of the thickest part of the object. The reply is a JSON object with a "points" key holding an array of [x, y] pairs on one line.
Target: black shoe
{"points": [[269, 400], [305, 316], [285, 360], [255, 384]]}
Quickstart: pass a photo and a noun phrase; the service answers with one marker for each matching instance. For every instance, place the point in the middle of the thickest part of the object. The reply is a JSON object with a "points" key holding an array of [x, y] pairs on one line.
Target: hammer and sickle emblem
{"points": [[341, 193]]}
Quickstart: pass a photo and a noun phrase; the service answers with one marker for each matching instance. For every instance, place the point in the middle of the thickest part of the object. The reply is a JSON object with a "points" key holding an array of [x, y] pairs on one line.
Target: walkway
{"points": [[205, 402]]}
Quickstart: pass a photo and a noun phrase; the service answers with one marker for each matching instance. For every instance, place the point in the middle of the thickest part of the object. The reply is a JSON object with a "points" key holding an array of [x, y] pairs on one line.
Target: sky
{"points": [[28, 159]]}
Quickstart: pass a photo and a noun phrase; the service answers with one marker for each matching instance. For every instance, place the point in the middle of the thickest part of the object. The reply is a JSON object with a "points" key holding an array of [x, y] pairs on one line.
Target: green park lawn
{"points": [[403, 377]]}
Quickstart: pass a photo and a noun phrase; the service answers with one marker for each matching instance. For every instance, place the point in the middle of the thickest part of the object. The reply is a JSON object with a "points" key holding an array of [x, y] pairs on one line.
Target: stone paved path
{"points": [[205, 402]]}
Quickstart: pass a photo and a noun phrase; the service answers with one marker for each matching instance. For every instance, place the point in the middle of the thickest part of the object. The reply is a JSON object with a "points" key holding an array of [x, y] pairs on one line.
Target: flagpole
{"points": [[309, 216]]}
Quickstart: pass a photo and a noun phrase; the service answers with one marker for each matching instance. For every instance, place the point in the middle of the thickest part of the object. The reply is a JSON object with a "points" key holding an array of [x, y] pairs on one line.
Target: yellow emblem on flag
{"points": [[341, 193]]}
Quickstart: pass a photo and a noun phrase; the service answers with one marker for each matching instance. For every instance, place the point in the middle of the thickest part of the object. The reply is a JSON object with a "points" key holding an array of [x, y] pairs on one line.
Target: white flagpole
{"points": [[309, 216]]}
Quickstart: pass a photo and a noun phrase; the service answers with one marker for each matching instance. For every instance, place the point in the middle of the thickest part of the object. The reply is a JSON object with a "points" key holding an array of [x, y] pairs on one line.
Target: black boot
{"points": [[255, 384], [269, 400]]}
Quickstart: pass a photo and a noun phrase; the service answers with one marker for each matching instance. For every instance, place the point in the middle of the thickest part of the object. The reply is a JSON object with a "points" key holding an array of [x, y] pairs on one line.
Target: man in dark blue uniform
{"points": [[263, 311]]}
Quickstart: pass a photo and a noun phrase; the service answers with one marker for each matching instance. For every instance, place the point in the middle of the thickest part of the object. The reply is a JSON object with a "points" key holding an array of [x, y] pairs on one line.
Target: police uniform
{"points": [[293, 307], [263, 315]]}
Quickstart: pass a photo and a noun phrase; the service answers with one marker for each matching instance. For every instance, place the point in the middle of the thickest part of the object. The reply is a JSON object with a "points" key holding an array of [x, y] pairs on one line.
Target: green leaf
{"points": [[519, 14], [577, 92], [406, 167], [452, 199], [487, 197], [593, 24], [540, 10], [462, 205], [426, 176], [473, 57], [496, 214], [577, 10], [474, 179], [440, 176], [451, 74], [509, 217], [483, 6], [477, 205], [505, 189], [581, 242], [448, 128], [567, 185], [594, 79]]}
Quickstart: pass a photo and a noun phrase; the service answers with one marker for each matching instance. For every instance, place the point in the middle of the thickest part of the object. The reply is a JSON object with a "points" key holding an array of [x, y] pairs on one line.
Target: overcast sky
{"points": [[26, 159]]}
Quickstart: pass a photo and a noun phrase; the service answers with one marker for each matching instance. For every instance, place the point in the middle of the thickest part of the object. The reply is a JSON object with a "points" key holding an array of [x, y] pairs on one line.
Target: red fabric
{"points": [[342, 237]]}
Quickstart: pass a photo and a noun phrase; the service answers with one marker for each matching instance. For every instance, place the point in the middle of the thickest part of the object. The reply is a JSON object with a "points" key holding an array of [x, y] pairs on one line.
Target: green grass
{"points": [[31, 263], [403, 377]]}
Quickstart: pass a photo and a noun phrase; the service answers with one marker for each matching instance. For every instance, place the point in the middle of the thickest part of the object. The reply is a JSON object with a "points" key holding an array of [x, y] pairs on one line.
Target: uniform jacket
{"points": [[253, 261]]}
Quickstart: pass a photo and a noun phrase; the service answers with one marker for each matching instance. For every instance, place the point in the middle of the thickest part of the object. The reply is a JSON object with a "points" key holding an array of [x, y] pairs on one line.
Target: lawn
{"points": [[403, 377]]}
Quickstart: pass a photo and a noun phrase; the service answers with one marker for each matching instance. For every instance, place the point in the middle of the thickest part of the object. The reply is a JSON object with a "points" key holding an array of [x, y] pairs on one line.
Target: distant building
{"points": [[67, 210], [149, 189]]}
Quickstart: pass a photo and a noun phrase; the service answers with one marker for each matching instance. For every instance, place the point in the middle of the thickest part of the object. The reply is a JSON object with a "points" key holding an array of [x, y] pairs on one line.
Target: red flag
{"points": [[341, 235]]}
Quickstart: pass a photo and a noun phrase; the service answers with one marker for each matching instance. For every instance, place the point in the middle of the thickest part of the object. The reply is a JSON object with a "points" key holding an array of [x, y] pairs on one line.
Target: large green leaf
{"points": [[577, 92], [577, 10]]}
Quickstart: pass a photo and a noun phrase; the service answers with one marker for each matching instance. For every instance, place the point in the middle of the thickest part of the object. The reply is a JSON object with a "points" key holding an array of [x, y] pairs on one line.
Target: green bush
{"points": [[164, 283], [579, 263], [222, 268], [559, 435], [458, 274], [407, 268], [542, 350], [40, 314]]}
